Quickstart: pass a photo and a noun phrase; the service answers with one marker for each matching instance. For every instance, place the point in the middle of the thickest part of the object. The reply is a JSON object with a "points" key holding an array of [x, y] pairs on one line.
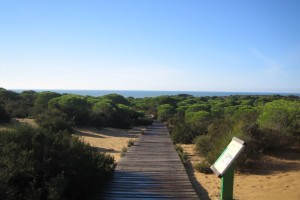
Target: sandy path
{"points": [[109, 140], [276, 176]]}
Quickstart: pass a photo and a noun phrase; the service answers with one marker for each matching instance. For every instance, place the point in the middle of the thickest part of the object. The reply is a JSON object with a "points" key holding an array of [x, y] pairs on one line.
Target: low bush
{"points": [[4, 116], [182, 133], [54, 120], [203, 167], [123, 151], [203, 145], [38, 164], [182, 154], [130, 143]]}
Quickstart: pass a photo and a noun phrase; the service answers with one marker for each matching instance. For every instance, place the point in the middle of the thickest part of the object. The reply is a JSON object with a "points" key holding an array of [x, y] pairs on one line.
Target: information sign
{"points": [[228, 156]]}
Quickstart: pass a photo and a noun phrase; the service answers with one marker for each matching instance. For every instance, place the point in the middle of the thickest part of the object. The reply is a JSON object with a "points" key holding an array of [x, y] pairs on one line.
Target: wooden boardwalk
{"points": [[151, 169]]}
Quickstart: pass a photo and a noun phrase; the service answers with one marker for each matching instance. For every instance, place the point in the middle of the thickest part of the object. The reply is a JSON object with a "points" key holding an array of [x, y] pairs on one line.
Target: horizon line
{"points": [[139, 90]]}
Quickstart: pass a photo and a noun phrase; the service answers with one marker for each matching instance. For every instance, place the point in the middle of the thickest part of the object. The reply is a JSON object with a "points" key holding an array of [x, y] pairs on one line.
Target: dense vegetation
{"points": [[62, 111], [264, 122], [48, 163], [40, 164]]}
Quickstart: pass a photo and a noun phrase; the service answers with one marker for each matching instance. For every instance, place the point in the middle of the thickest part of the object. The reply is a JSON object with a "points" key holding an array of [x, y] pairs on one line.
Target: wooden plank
{"points": [[151, 169]]}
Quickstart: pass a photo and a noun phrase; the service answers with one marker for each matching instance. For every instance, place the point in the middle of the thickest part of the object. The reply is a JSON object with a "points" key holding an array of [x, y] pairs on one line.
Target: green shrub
{"points": [[123, 151], [130, 143], [279, 120], [4, 116], [54, 120], [17, 105], [203, 167], [41, 101], [203, 145], [220, 143], [182, 133], [182, 154], [75, 107], [38, 164], [165, 112]]}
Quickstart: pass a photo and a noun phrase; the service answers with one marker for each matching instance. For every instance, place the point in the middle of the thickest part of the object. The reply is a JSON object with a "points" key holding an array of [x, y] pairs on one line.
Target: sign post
{"points": [[227, 184], [224, 166]]}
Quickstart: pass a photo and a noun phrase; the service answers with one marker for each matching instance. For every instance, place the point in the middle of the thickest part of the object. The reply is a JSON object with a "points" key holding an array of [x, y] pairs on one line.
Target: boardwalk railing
{"points": [[151, 169]]}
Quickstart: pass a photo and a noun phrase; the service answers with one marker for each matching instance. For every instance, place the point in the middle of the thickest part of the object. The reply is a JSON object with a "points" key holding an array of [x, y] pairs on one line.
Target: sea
{"points": [[145, 93]]}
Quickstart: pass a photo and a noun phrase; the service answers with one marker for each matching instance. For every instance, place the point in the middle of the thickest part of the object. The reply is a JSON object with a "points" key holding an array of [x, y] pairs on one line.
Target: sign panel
{"points": [[228, 156]]}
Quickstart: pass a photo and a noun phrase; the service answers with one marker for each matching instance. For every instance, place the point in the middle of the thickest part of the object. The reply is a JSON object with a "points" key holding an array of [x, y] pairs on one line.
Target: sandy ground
{"points": [[275, 176], [109, 140], [7, 126], [25, 120]]}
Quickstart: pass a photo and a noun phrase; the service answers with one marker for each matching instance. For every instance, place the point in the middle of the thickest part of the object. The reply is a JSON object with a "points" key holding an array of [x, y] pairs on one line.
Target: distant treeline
{"points": [[62, 111], [273, 120], [264, 122]]}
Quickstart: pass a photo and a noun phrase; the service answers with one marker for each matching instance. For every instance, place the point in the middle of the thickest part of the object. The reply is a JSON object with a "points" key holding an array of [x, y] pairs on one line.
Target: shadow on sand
{"points": [[274, 162], [89, 133], [201, 192], [104, 150], [110, 132]]}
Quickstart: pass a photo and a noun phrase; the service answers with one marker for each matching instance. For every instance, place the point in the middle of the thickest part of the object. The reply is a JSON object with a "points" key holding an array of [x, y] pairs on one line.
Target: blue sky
{"points": [[201, 45]]}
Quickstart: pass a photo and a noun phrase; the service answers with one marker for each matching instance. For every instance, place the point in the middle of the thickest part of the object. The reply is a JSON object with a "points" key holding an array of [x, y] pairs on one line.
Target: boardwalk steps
{"points": [[151, 169]]}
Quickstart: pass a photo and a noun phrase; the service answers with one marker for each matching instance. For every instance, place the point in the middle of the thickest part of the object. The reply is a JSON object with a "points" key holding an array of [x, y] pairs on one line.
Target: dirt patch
{"points": [[10, 125], [108, 140], [275, 176], [25, 121]]}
